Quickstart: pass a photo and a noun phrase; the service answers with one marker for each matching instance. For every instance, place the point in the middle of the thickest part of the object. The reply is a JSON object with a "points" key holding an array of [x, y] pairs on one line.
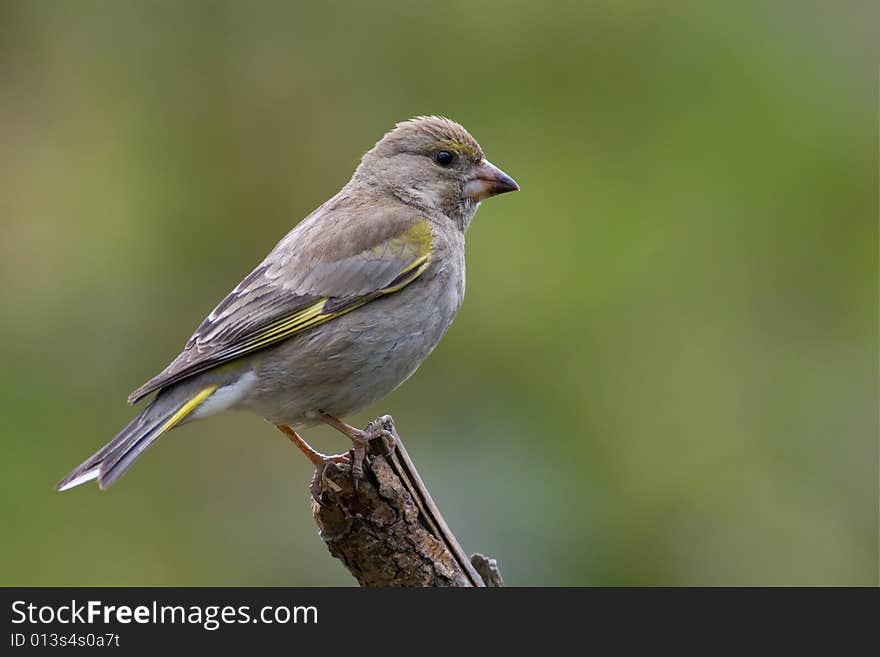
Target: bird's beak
{"points": [[488, 180]]}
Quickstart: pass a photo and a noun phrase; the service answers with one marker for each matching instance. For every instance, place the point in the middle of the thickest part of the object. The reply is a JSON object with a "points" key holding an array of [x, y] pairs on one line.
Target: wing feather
{"points": [[298, 287]]}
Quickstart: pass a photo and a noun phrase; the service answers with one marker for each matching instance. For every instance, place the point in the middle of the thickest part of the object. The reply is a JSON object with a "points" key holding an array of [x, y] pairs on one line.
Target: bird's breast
{"points": [[352, 361]]}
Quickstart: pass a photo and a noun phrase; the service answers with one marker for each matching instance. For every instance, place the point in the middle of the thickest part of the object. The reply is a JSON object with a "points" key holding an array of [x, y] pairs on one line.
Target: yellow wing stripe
{"points": [[314, 315], [186, 409], [300, 319], [419, 265]]}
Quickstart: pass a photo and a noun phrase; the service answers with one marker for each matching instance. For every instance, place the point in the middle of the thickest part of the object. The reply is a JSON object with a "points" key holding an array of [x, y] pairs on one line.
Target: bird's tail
{"points": [[110, 462]]}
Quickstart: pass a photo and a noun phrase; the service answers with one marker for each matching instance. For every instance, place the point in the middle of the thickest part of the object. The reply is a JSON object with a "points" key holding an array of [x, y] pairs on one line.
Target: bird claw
{"points": [[358, 454], [382, 427], [320, 481], [315, 489]]}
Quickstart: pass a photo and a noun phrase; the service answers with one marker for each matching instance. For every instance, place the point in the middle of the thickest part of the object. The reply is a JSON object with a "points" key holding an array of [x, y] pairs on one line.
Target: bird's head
{"points": [[435, 164]]}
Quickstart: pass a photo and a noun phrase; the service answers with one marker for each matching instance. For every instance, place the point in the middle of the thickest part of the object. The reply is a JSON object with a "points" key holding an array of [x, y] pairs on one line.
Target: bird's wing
{"points": [[319, 271]]}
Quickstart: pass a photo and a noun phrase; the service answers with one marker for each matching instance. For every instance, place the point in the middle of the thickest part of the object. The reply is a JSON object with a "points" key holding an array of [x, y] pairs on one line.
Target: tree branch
{"points": [[389, 532]]}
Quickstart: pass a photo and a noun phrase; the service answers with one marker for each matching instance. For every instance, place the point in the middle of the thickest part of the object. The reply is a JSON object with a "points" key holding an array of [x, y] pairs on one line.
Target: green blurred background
{"points": [[665, 370]]}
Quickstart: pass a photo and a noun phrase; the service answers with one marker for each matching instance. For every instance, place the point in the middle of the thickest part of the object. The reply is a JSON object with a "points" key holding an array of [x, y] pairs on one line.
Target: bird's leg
{"points": [[318, 459], [313, 455], [360, 438], [357, 437]]}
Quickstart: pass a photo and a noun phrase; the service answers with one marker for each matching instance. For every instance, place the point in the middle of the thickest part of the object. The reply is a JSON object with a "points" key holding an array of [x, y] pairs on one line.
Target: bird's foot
{"points": [[319, 482], [381, 427], [319, 460]]}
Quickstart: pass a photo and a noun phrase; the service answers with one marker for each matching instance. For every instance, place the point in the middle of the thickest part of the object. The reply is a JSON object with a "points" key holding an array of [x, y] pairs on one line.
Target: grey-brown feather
{"points": [[322, 257], [347, 364], [342, 252], [333, 254]]}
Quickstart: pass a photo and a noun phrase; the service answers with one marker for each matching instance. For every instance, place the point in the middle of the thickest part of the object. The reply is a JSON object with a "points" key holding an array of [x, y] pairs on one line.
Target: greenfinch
{"points": [[342, 311]]}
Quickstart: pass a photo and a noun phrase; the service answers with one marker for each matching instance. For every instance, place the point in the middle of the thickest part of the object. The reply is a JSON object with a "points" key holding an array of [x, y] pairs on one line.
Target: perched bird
{"points": [[342, 311]]}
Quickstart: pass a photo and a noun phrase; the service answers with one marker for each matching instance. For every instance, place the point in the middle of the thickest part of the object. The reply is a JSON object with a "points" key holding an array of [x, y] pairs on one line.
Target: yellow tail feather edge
{"points": [[186, 409]]}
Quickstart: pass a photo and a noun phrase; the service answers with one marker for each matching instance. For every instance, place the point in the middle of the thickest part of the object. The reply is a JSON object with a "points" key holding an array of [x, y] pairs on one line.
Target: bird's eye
{"points": [[444, 158]]}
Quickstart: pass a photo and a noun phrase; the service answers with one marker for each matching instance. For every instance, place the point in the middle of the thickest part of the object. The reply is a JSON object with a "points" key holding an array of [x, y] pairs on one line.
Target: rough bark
{"points": [[389, 532]]}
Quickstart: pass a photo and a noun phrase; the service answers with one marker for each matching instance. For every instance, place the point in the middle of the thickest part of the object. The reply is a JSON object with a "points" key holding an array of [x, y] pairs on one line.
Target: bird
{"points": [[341, 312]]}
